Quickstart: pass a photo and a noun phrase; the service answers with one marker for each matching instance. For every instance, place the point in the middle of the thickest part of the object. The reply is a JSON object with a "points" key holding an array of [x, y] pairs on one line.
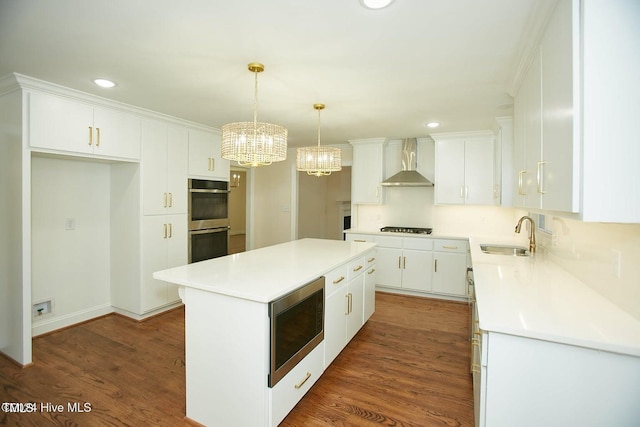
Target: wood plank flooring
{"points": [[408, 366]]}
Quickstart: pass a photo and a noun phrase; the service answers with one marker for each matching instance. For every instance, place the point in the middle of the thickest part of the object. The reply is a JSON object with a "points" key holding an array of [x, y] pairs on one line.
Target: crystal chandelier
{"points": [[254, 143], [318, 160]]}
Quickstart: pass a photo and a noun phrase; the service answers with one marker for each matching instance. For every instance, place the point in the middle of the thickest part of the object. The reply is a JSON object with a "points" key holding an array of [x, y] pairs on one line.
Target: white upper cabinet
{"points": [[546, 157], [205, 156], [464, 172], [576, 114], [164, 168], [63, 124], [367, 171]]}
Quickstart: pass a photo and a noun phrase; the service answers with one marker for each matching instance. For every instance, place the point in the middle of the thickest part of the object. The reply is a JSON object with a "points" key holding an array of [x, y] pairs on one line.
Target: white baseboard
{"points": [[39, 327], [148, 314]]}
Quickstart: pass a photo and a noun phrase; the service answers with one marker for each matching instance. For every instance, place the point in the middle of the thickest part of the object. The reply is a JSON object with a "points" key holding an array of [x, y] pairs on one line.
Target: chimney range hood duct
{"points": [[408, 176]]}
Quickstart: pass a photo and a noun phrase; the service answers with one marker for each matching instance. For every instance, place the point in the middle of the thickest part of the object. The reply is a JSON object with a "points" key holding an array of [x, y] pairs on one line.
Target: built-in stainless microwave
{"points": [[297, 327]]}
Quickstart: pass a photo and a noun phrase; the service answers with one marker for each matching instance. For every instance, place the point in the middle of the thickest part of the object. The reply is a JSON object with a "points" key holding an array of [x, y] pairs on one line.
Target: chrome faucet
{"points": [[532, 232]]}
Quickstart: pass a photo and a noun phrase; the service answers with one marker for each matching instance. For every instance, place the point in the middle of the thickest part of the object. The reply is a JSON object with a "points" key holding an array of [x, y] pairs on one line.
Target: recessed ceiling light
{"points": [[433, 124], [104, 83], [376, 4]]}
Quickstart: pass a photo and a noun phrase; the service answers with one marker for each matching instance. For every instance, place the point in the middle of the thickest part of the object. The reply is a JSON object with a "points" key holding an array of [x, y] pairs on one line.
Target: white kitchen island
{"points": [[227, 327]]}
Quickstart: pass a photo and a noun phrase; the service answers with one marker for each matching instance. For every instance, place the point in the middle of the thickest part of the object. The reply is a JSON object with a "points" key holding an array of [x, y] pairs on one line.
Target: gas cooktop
{"points": [[412, 230]]}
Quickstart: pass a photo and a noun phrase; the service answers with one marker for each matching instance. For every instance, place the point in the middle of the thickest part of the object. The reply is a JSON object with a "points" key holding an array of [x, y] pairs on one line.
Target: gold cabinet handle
{"points": [[462, 191], [371, 259], [165, 230], [399, 261], [165, 199], [338, 280], [346, 308], [304, 380], [475, 368], [98, 137], [170, 200], [404, 262], [358, 268], [449, 247], [359, 240], [170, 230], [540, 177], [435, 265], [90, 135], [373, 270], [521, 183]]}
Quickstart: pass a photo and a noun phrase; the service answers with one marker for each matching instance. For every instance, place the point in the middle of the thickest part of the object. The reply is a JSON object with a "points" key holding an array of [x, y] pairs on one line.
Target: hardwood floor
{"points": [[408, 366]]}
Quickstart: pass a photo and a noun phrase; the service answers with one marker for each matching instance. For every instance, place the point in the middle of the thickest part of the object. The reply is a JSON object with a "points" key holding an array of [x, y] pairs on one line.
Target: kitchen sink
{"points": [[504, 250]]}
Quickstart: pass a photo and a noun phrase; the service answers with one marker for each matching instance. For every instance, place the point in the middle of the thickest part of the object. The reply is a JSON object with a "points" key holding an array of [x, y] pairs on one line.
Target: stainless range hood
{"points": [[408, 176]]}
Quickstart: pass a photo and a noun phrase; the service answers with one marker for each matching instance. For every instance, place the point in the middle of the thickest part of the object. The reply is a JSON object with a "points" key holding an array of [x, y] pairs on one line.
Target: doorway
{"points": [[237, 210]]}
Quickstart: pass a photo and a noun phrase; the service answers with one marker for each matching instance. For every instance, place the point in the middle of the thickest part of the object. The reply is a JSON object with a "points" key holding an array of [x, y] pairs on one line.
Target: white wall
{"points": [[70, 266]]}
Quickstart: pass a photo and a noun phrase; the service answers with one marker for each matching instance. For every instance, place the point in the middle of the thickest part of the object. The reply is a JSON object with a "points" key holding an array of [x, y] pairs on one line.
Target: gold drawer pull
{"points": [[371, 259], [358, 268], [373, 270], [475, 368], [449, 247], [90, 135], [360, 240], [338, 280], [301, 383]]}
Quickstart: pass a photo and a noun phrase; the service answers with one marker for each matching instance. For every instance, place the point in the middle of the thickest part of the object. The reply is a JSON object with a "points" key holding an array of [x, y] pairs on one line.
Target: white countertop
{"points": [[265, 274], [433, 235], [534, 297]]}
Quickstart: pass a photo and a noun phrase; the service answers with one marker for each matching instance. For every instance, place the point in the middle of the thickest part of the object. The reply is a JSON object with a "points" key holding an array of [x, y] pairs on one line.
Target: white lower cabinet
{"points": [[404, 262], [527, 382], [345, 303], [164, 245], [450, 263]]}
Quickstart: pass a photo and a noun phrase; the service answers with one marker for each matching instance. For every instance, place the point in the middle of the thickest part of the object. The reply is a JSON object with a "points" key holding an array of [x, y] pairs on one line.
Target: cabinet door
{"points": [[389, 261], [355, 303], [532, 133], [60, 124], [556, 169], [154, 168], [177, 250], [449, 273], [416, 270], [205, 157], [369, 293], [154, 257], [479, 171], [117, 134], [366, 174], [335, 329], [449, 185], [177, 169]]}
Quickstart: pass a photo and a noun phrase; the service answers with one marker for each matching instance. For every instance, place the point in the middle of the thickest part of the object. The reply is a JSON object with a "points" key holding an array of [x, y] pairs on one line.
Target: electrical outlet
{"points": [[42, 308], [70, 224]]}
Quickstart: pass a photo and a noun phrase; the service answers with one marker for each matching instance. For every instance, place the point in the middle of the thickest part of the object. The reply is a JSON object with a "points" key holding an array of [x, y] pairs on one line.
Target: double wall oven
{"points": [[208, 219]]}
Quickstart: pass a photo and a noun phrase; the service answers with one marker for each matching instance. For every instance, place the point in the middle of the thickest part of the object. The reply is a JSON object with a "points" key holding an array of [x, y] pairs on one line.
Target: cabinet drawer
{"points": [[296, 383], [356, 267], [335, 279], [451, 245], [360, 238], [370, 259], [389, 241], [419, 243]]}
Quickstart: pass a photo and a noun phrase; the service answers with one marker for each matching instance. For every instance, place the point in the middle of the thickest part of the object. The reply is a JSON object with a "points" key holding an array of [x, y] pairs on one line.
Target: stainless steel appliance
{"points": [[412, 230], [297, 327], [208, 219]]}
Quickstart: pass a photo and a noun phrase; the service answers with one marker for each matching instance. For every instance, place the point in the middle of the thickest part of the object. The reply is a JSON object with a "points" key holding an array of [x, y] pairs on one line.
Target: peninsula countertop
{"points": [[534, 297], [265, 274]]}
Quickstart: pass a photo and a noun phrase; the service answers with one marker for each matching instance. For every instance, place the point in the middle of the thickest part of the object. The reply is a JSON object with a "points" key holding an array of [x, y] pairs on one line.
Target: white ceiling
{"points": [[382, 73]]}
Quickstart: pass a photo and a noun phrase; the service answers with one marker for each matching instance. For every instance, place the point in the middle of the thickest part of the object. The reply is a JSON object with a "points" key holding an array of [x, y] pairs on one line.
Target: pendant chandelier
{"points": [[318, 160], [254, 143]]}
